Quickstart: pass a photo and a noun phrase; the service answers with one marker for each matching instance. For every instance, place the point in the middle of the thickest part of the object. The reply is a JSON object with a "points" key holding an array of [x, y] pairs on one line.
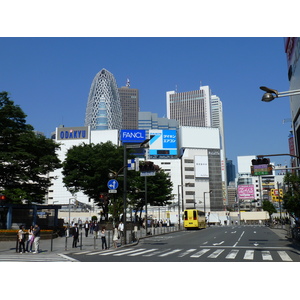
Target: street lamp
{"points": [[271, 94]]}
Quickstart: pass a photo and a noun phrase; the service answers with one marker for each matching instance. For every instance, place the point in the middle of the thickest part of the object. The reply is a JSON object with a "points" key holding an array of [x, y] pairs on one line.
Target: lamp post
{"points": [[179, 185], [272, 94], [144, 144]]}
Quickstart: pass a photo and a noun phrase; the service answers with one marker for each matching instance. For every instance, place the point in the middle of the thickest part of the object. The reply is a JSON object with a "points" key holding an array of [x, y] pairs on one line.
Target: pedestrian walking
{"points": [[75, 232], [121, 228], [30, 239], [91, 227], [103, 238], [86, 228], [37, 235], [21, 237], [96, 229], [116, 237]]}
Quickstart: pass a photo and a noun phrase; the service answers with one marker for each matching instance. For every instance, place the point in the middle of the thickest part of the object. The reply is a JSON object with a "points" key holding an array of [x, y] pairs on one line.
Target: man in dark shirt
{"points": [[75, 236]]}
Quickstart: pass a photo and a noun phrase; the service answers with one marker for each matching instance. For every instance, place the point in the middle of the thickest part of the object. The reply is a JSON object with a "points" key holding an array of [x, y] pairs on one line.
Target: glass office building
{"points": [[103, 111]]}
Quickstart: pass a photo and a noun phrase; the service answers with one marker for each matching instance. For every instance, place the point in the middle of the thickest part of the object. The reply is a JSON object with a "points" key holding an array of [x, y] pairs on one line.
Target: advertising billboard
{"points": [[201, 166], [163, 143], [246, 191], [72, 133], [132, 136]]}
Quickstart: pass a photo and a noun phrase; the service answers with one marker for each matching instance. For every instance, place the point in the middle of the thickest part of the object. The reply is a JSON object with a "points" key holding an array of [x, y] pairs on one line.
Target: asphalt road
{"points": [[214, 244]]}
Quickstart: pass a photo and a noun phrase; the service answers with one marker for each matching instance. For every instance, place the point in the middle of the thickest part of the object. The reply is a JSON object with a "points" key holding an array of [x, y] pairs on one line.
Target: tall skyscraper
{"points": [[130, 106], [190, 108], [199, 108], [103, 109]]}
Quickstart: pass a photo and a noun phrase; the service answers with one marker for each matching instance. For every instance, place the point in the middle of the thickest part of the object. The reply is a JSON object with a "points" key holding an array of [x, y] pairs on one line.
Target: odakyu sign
{"points": [[132, 136], [72, 133]]}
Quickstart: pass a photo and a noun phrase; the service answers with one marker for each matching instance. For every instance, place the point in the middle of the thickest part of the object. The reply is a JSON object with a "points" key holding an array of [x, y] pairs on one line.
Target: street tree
{"points": [[291, 198], [25, 157], [269, 207], [86, 169], [87, 166], [158, 188]]}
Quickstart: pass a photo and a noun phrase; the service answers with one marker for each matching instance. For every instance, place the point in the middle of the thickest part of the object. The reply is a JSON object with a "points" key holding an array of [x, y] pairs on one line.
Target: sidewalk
{"points": [[63, 245]]}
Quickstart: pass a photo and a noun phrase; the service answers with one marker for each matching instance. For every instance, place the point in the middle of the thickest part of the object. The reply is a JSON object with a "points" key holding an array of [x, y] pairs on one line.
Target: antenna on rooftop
{"points": [[128, 82], [176, 88], [200, 85]]}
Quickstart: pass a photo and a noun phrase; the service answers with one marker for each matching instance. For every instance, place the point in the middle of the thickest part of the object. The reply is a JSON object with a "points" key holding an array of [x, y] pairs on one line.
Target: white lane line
{"points": [[239, 239]]}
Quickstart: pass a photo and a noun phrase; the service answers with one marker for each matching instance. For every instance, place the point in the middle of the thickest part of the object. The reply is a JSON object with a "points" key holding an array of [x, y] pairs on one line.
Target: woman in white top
{"points": [[30, 239], [116, 237]]}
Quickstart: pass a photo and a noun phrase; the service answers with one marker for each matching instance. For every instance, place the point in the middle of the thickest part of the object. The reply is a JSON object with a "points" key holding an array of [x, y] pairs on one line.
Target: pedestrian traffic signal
{"points": [[2, 197]]}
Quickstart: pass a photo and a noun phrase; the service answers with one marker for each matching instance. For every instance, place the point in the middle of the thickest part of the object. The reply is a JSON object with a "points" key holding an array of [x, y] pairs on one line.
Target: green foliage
{"points": [[269, 207], [25, 158], [86, 169], [291, 198]]}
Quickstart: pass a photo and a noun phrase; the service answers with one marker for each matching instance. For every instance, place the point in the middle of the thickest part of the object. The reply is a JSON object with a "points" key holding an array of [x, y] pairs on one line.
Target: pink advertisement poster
{"points": [[246, 191]]}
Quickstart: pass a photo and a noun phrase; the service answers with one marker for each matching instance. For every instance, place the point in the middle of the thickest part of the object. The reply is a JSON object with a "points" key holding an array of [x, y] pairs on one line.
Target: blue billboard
{"points": [[132, 136], [163, 143]]}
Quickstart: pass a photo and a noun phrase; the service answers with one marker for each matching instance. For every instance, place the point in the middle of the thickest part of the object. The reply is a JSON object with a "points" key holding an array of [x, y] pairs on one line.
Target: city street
{"points": [[214, 244]]}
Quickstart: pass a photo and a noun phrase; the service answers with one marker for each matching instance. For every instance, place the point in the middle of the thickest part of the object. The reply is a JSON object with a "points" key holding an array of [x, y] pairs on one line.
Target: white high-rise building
{"points": [[199, 108]]}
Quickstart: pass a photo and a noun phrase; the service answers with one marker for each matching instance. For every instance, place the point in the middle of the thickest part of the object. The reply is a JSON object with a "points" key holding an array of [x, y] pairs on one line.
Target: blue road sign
{"points": [[113, 184]]}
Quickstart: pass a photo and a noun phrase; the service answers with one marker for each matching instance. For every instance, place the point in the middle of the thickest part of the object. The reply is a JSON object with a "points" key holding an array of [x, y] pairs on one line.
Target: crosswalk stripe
{"points": [[249, 254], [200, 253], [284, 256], [156, 252], [232, 254], [266, 255], [169, 253], [187, 252], [216, 253], [127, 252], [113, 252], [143, 252]]}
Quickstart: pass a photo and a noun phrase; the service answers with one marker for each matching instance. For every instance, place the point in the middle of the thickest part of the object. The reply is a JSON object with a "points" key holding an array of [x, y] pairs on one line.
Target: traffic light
{"points": [[260, 161], [148, 166], [2, 197]]}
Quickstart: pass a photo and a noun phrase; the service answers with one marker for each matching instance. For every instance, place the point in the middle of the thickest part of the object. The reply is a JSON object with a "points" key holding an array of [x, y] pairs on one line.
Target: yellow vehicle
{"points": [[194, 219]]}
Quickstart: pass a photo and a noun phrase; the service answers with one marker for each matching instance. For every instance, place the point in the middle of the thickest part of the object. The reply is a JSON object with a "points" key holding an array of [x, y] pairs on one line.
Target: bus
{"points": [[194, 219]]}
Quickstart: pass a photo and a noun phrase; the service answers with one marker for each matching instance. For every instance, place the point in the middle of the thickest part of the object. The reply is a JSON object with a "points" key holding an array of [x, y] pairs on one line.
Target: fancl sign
{"points": [[132, 136], [72, 133]]}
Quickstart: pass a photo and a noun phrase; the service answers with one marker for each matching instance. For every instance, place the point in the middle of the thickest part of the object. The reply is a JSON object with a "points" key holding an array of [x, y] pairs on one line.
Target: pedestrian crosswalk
{"points": [[52, 257], [208, 254]]}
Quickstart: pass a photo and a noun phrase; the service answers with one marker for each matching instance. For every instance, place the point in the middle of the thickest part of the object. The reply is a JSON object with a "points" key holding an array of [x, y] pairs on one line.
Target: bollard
{"points": [[94, 242], [51, 242], [108, 240], [81, 240], [66, 244], [17, 244]]}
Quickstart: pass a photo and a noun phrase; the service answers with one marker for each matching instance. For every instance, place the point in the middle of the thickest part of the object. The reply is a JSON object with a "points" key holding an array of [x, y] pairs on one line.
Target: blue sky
{"points": [[50, 79]]}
